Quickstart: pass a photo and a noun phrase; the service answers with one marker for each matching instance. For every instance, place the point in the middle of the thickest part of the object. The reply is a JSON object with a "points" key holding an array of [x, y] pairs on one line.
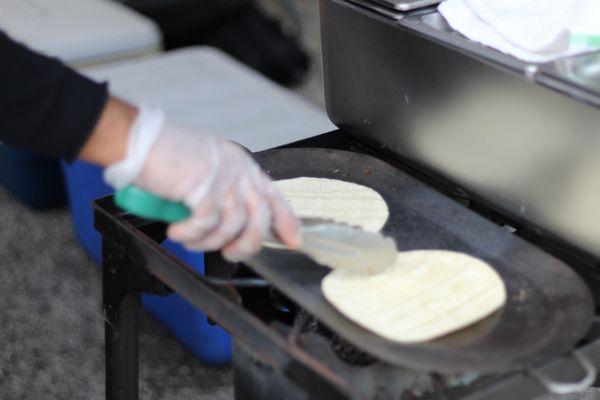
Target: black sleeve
{"points": [[44, 105]]}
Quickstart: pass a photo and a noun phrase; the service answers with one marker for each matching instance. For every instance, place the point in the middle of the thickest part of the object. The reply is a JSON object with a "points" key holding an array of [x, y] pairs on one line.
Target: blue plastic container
{"points": [[33, 179], [209, 343], [84, 184]]}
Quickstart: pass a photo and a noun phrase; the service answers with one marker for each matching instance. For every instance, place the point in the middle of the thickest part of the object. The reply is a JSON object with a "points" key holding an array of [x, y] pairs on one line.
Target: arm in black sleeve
{"points": [[44, 105]]}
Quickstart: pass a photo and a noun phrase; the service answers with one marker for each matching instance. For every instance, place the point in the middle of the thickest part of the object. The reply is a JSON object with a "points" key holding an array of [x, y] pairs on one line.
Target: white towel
{"points": [[532, 31]]}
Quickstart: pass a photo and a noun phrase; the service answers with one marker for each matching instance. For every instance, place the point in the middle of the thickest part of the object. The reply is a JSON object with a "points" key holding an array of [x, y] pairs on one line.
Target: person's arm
{"points": [[48, 107], [107, 143], [44, 105], [234, 204]]}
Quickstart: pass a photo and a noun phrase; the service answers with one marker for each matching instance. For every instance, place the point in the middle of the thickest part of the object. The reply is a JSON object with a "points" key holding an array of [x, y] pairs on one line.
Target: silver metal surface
{"points": [[408, 5], [526, 139], [395, 9], [381, 9]]}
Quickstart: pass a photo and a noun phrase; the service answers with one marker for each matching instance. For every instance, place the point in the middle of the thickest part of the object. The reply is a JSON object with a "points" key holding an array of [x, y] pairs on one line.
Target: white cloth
{"points": [[535, 32]]}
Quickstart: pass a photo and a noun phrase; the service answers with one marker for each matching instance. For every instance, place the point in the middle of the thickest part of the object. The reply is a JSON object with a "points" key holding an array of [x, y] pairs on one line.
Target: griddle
{"points": [[549, 308]]}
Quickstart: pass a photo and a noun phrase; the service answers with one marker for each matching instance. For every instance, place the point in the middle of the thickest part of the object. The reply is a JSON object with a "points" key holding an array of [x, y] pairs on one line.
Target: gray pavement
{"points": [[51, 324]]}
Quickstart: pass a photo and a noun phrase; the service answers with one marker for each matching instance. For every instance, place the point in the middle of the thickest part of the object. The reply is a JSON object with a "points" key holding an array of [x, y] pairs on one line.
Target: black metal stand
{"points": [[121, 306], [121, 336], [134, 264]]}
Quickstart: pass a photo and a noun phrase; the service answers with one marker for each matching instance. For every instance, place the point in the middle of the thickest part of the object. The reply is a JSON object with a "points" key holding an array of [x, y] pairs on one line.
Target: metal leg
{"points": [[121, 307], [122, 354]]}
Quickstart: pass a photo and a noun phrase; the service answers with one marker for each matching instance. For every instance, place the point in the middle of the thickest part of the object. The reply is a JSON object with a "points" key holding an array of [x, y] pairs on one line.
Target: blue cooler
{"points": [[209, 343], [33, 179], [84, 184]]}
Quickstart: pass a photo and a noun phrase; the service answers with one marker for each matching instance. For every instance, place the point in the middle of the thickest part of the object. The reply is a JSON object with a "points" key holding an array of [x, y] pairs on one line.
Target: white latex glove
{"points": [[234, 204]]}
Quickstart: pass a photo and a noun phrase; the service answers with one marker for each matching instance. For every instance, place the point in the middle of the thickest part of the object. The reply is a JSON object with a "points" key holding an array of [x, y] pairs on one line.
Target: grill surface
{"points": [[555, 313]]}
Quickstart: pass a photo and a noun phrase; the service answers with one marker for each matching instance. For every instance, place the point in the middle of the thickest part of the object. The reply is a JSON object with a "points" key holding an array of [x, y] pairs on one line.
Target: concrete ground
{"points": [[50, 313]]}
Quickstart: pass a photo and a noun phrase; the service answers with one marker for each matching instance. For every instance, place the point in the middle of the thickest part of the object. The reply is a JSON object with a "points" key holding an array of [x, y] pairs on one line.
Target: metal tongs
{"points": [[338, 245], [328, 243]]}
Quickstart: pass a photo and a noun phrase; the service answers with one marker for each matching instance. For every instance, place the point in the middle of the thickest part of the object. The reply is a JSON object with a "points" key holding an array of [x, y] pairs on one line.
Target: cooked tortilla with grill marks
{"points": [[341, 201], [426, 294]]}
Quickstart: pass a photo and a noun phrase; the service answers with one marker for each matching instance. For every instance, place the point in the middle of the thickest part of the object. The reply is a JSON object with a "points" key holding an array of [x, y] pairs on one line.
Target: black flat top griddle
{"points": [[549, 308]]}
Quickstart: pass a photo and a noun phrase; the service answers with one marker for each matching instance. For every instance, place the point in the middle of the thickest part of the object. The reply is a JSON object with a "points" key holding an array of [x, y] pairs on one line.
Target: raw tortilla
{"points": [[424, 295], [344, 202]]}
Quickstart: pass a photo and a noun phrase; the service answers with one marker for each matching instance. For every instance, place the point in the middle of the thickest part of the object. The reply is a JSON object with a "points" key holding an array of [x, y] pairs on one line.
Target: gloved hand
{"points": [[234, 204]]}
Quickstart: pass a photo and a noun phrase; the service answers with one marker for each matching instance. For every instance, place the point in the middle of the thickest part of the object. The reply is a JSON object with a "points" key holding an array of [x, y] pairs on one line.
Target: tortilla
{"points": [[426, 294], [341, 201]]}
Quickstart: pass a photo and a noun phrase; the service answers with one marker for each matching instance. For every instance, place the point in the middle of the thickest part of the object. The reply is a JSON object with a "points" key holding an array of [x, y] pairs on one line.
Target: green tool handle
{"points": [[150, 206]]}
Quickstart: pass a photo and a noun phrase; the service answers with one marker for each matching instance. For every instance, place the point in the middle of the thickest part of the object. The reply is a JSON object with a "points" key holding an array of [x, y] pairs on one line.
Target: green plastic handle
{"points": [[150, 206]]}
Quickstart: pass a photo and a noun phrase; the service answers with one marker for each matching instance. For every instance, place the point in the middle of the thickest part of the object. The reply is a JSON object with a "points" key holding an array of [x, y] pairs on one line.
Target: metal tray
{"points": [[407, 5], [549, 307], [520, 138]]}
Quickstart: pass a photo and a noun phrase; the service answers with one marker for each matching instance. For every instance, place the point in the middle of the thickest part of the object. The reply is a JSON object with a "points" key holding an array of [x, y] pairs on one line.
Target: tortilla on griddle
{"points": [[341, 201], [426, 294]]}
